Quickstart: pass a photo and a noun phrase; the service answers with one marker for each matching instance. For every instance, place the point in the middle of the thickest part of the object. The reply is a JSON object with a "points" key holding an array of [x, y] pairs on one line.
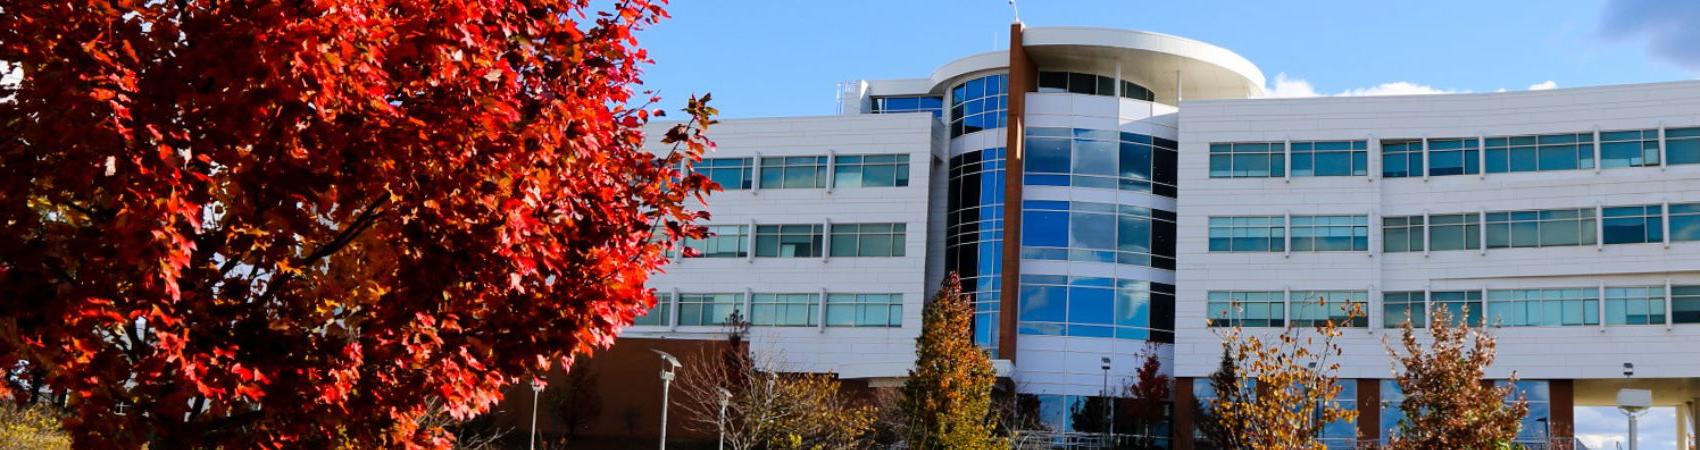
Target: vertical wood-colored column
{"points": [[1186, 414], [1022, 80], [1563, 418], [1369, 409]]}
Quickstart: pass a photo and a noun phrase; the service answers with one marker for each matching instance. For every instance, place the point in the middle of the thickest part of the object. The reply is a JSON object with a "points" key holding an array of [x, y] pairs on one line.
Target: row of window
{"points": [[1458, 156], [1089, 84], [1633, 224], [895, 105], [974, 234], [1100, 159], [1309, 233], [777, 310], [801, 241], [1546, 307], [1059, 305], [807, 172], [979, 104], [1097, 232]]}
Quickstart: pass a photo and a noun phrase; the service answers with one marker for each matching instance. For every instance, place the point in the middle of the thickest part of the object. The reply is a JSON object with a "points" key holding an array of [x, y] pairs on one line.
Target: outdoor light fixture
{"points": [[1628, 370], [669, 365], [1633, 403], [1109, 406], [536, 388], [725, 399]]}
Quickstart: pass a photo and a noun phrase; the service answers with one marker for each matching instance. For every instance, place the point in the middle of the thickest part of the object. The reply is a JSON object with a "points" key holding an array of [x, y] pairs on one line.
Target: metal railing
{"points": [[1067, 440]]}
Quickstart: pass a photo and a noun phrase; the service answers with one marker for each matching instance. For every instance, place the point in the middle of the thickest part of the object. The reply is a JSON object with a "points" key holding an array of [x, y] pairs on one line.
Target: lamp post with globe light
{"points": [[669, 364]]}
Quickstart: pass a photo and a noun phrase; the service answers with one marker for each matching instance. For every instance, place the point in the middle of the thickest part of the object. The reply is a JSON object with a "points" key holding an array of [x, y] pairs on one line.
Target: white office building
{"points": [[1104, 193]]}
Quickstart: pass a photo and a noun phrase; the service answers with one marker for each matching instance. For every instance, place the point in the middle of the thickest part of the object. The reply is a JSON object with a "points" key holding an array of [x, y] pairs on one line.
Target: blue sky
{"points": [[766, 58]]}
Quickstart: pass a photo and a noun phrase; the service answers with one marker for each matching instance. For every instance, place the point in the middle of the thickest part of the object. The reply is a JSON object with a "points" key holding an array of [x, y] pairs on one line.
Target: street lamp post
{"points": [[725, 399], [536, 389], [1633, 403], [1109, 416], [669, 364]]}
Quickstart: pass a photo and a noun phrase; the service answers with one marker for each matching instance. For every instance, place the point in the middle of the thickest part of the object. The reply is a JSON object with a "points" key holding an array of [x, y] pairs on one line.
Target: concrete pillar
{"points": [[1186, 413], [1682, 427], [1023, 78]]}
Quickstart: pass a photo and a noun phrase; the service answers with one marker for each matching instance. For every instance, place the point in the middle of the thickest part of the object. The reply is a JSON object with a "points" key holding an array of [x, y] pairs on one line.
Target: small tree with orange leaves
{"points": [[1284, 388], [1446, 403]]}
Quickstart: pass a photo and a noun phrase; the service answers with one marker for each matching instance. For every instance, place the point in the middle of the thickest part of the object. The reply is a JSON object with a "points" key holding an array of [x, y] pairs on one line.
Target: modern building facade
{"points": [[1107, 193]]}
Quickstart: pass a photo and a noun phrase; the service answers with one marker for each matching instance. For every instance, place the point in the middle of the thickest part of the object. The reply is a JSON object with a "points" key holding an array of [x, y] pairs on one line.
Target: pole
{"points": [[666, 386], [1109, 426], [1634, 443], [536, 388], [722, 424]]}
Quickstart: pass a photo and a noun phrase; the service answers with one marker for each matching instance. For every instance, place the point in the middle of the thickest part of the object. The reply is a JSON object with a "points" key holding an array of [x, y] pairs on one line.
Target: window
{"points": [[731, 173], [1248, 234], [1548, 228], [1096, 307], [1402, 234], [1454, 232], [1682, 146], [864, 310], [1638, 305], [894, 105], [1341, 434], [1461, 306], [1402, 158], [1346, 309], [1330, 233], [1089, 84], [870, 171], [1098, 232], [793, 172], [1685, 304], [1633, 224], [974, 234], [1392, 398], [1248, 160], [1685, 222], [1100, 159], [1543, 307], [784, 310], [1398, 307], [660, 315], [979, 104], [1454, 157], [708, 309], [868, 239], [722, 241], [1330, 158], [788, 241], [1247, 309], [1535, 426], [1635, 148], [1569, 151]]}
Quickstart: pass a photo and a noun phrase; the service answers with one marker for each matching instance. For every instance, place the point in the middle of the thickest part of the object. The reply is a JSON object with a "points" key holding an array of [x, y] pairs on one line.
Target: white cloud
{"points": [[1396, 88], [1603, 427], [1290, 88]]}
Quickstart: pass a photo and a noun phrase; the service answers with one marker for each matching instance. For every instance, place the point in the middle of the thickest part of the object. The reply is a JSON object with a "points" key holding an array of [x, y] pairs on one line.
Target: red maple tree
{"points": [[264, 224]]}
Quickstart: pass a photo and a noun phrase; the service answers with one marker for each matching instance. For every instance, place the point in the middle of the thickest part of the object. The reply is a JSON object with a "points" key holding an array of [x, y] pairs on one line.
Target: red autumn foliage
{"points": [[261, 224]]}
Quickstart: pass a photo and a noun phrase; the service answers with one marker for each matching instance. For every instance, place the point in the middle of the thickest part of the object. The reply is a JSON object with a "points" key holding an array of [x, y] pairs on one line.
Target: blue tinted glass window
{"points": [[1044, 228], [1401, 158], [1633, 224], [1454, 156], [978, 104], [1568, 151], [1248, 160], [1685, 222]]}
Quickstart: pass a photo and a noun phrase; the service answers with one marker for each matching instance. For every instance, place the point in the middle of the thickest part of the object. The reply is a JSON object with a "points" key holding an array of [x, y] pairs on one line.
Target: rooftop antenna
{"points": [[1016, 10]]}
